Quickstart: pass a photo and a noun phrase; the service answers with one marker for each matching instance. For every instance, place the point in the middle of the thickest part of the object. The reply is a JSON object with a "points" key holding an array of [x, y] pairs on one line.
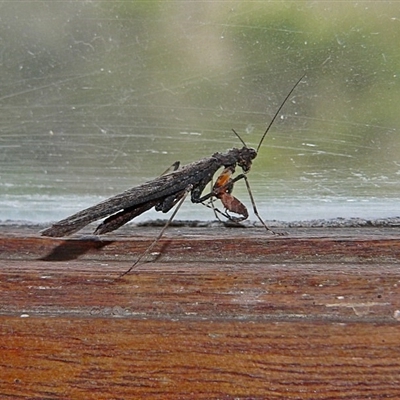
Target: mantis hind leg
{"points": [[160, 235]]}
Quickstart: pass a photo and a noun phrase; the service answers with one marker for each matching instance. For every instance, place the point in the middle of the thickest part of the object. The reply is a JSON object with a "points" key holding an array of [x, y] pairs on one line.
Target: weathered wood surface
{"points": [[218, 314]]}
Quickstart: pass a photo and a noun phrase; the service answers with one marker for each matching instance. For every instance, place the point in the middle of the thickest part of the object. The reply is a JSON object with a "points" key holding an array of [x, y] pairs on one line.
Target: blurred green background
{"points": [[99, 96]]}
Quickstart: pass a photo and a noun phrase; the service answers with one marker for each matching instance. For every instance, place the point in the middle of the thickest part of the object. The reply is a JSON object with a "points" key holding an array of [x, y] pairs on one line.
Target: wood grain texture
{"points": [[217, 314]]}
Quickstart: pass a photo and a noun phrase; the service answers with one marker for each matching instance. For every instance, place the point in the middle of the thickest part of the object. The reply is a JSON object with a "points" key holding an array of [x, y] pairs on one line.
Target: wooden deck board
{"points": [[218, 313]]}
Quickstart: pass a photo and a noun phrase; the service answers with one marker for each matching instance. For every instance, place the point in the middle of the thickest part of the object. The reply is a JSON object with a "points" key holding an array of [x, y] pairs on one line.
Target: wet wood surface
{"points": [[214, 313]]}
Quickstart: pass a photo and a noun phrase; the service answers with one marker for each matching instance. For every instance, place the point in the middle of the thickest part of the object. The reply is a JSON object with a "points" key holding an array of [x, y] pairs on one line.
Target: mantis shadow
{"points": [[72, 249]]}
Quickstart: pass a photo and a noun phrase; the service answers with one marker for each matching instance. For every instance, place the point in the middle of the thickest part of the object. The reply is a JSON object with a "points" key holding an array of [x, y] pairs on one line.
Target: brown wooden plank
{"points": [[105, 358], [220, 313], [254, 291]]}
